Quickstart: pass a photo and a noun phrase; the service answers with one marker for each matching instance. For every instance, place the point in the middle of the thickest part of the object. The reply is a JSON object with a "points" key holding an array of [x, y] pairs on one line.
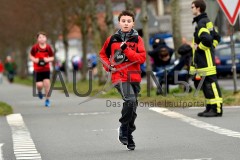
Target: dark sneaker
{"points": [[131, 144], [123, 135], [212, 113], [200, 114], [40, 95]]}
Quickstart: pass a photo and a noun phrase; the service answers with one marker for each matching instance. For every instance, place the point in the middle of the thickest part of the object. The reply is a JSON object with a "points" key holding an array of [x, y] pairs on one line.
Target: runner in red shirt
{"points": [[41, 55]]}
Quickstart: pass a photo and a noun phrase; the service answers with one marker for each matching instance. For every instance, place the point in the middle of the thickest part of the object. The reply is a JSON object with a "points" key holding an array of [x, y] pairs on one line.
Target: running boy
{"points": [[41, 54], [122, 54]]}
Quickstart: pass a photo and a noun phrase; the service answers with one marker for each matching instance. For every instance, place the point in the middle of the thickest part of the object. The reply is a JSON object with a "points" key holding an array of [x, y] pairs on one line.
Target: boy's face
{"points": [[42, 39], [126, 23]]}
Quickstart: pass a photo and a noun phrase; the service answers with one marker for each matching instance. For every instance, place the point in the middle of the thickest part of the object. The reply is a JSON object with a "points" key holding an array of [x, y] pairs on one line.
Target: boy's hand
{"points": [[123, 46], [36, 60], [46, 59], [112, 68]]}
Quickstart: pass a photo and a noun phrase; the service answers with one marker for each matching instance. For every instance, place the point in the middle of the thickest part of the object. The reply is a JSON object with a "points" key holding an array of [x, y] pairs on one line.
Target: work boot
{"points": [[212, 113], [200, 114]]}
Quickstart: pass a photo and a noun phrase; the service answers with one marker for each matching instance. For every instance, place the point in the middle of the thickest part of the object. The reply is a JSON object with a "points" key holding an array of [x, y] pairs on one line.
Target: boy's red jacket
{"points": [[129, 70]]}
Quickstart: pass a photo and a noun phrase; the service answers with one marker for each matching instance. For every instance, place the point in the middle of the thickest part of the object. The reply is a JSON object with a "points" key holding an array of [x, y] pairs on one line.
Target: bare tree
{"points": [[81, 11], [97, 39], [52, 23], [176, 25], [130, 5], [109, 17], [64, 7], [84, 32], [55, 17], [18, 30], [144, 21]]}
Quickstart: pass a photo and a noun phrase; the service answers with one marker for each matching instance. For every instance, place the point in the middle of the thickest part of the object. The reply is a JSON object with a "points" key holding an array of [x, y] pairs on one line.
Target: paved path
{"points": [[68, 131]]}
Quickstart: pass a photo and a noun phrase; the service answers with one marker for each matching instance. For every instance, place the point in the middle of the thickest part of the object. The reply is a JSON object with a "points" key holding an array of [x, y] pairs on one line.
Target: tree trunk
{"points": [[176, 24], [66, 46], [144, 21], [97, 41], [54, 51], [109, 17], [84, 32], [23, 62], [130, 6], [65, 39]]}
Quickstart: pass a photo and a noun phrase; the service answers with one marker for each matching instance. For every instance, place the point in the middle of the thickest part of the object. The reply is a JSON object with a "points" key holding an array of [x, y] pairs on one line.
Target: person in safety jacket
{"points": [[203, 66], [121, 55]]}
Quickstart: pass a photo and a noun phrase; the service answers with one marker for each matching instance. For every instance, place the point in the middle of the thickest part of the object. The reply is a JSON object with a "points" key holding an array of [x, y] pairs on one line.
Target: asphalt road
{"points": [[69, 131]]}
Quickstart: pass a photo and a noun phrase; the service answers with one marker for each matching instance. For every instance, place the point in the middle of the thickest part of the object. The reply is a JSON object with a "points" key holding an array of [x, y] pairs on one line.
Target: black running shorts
{"points": [[40, 76]]}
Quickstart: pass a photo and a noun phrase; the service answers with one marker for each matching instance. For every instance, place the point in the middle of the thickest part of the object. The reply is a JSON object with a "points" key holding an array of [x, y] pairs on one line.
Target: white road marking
{"points": [[23, 145], [103, 130], [196, 159], [1, 153], [86, 114], [196, 123]]}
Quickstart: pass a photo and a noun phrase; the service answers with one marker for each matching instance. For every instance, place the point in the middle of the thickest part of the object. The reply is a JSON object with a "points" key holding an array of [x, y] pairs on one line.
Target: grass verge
{"points": [[24, 81], [176, 97], [5, 109]]}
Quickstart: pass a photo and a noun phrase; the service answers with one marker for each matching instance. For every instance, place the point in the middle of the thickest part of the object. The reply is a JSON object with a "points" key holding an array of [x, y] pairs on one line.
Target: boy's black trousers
{"points": [[129, 92]]}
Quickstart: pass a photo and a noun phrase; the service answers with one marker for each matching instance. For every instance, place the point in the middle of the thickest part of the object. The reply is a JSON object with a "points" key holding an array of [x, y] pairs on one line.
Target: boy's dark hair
{"points": [[42, 33], [126, 13], [200, 4]]}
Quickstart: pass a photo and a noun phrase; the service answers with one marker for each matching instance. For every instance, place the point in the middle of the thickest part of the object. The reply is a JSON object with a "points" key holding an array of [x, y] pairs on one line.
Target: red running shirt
{"points": [[41, 53], [1, 67]]}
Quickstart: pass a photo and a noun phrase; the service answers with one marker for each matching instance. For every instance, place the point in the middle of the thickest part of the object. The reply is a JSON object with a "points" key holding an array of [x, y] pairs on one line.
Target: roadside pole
{"points": [[231, 9], [234, 69]]}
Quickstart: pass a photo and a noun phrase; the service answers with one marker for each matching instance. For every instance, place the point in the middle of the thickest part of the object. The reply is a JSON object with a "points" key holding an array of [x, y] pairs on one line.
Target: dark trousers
{"points": [[212, 93], [129, 92]]}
